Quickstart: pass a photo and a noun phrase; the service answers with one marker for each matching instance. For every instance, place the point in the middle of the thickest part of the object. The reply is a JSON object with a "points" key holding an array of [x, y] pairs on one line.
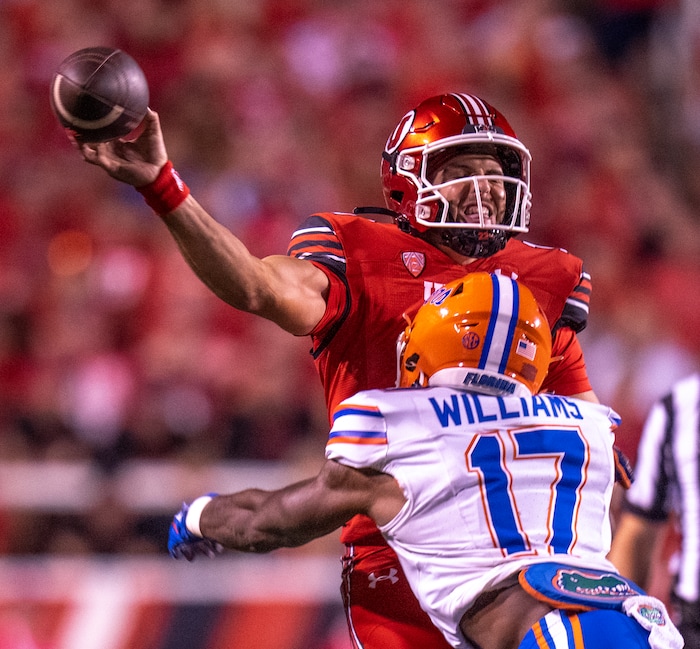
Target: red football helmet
{"points": [[484, 332], [440, 128]]}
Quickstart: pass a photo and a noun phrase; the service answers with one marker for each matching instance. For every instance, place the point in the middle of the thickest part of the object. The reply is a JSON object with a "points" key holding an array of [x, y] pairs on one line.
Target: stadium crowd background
{"points": [[110, 348]]}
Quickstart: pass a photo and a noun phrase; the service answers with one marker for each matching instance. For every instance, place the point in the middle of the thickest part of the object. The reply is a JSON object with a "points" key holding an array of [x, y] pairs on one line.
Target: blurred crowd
{"points": [[111, 349]]}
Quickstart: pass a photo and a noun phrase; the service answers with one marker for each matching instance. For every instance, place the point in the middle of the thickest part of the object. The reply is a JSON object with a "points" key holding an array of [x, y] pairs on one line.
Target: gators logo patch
{"points": [[595, 585], [653, 615], [577, 588]]}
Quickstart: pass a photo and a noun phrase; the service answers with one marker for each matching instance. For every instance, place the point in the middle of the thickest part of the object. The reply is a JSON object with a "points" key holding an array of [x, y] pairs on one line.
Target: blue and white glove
{"points": [[182, 543]]}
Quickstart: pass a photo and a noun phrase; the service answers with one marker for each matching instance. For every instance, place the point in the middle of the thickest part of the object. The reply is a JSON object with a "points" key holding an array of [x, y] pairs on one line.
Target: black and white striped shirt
{"points": [[667, 475]]}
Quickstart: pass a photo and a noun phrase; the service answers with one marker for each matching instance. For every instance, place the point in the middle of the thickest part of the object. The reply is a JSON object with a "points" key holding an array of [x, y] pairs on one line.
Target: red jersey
{"points": [[377, 272]]}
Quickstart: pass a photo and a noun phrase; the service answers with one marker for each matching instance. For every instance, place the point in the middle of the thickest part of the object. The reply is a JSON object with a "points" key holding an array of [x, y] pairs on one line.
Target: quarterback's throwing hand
{"points": [[183, 544]]}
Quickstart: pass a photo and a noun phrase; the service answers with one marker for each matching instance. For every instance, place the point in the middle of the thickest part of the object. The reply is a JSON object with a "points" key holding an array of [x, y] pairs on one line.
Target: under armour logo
{"points": [[391, 577]]}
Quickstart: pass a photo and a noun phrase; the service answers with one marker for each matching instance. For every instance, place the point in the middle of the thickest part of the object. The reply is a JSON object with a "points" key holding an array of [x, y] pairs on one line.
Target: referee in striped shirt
{"points": [[667, 481]]}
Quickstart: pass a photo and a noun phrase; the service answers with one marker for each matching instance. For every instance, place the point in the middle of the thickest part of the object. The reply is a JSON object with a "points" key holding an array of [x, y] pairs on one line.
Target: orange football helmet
{"points": [[426, 137], [485, 332]]}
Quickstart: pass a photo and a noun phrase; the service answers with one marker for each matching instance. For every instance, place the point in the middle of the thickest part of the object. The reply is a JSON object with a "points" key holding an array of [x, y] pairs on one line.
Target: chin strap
{"points": [[474, 243]]}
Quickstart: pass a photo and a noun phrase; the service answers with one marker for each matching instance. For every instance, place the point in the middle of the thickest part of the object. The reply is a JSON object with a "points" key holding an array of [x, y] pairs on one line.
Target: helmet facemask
{"points": [[437, 217]]}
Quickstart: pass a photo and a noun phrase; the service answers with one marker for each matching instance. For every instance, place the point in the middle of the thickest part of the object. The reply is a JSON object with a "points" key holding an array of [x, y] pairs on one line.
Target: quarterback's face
{"points": [[477, 191]]}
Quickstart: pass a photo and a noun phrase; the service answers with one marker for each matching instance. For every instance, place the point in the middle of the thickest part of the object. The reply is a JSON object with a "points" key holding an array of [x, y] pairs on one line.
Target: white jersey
{"points": [[492, 484]]}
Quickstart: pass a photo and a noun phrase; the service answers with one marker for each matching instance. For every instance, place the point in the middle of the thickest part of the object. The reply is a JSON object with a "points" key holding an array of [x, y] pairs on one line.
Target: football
{"points": [[99, 93]]}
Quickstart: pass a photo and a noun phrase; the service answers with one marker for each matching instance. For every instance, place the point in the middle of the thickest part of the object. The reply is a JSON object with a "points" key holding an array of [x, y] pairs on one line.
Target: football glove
{"points": [[183, 544]]}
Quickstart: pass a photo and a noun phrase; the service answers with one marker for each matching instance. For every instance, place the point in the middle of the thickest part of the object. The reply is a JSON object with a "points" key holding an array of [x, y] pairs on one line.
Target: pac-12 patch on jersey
{"points": [[414, 262]]}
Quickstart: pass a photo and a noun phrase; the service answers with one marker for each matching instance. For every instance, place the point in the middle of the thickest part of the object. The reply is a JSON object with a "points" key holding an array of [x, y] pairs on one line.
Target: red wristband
{"points": [[166, 192]]}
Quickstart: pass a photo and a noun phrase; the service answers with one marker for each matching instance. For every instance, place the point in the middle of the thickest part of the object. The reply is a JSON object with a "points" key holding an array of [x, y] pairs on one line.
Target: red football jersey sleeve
{"points": [[567, 372]]}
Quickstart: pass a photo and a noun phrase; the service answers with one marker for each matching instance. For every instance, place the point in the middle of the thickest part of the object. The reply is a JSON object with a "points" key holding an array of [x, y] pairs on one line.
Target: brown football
{"points": [[99, 93]]}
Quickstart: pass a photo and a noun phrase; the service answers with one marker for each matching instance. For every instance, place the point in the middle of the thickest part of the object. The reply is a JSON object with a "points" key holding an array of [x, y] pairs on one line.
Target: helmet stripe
{"points": [[505, 305], [515, 310], [475, 109]]}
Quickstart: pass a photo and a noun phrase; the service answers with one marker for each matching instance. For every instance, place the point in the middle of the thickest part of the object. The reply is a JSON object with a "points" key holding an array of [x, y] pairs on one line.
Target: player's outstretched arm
{"points": [[259, 521], [288, 291]]}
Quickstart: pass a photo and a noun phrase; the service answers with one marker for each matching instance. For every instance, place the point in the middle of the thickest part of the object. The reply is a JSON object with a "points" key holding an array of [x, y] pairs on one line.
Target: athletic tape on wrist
{"points": [[194, 513], [166, 192]]}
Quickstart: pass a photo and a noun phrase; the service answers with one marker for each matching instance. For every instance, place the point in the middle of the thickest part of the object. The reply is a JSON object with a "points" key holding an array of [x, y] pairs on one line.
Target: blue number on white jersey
{"points": [[559, 456]]}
